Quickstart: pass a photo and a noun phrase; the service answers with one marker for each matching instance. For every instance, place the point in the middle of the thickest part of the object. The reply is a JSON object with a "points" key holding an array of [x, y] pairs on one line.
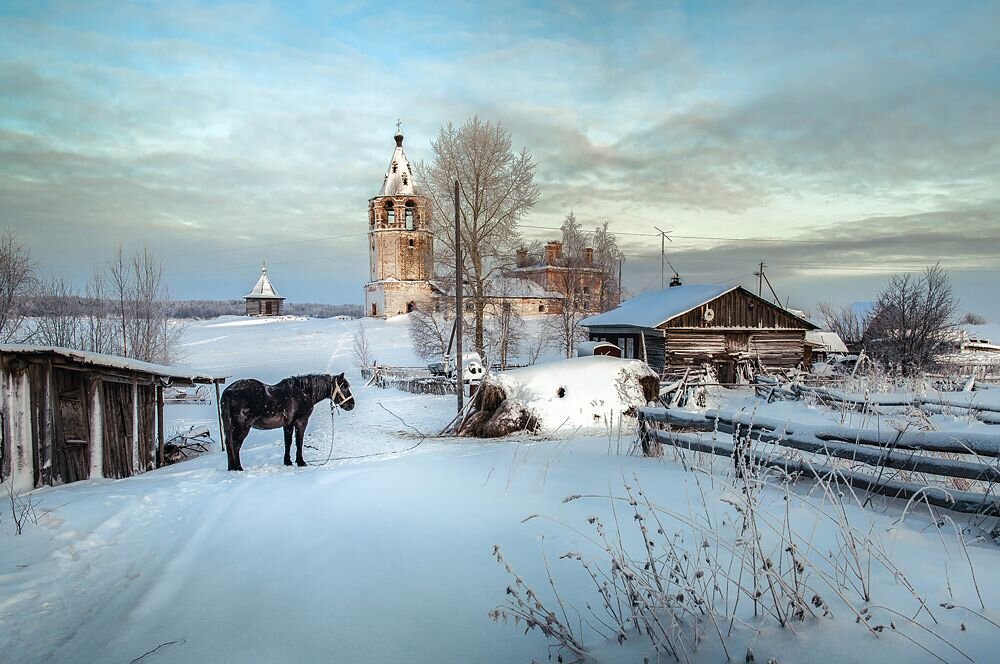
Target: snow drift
{"points": [[574, 393]]}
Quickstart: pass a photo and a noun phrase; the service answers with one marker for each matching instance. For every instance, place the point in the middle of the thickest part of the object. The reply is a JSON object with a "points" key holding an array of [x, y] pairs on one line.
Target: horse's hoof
{"points": [[300, 463], [288, 462]]}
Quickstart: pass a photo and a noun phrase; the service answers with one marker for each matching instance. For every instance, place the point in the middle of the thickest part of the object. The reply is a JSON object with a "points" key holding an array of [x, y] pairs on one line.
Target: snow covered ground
{"points": [[390, 558]]}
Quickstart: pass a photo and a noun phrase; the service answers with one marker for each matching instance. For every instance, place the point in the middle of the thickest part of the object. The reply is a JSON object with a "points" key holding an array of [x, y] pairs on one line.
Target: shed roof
{"points": [[263, 289], [652, 308], [99, 360]]}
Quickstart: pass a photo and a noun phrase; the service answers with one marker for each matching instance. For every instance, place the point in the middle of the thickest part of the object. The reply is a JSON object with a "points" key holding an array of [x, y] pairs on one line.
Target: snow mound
{"points": [[579, 392]]}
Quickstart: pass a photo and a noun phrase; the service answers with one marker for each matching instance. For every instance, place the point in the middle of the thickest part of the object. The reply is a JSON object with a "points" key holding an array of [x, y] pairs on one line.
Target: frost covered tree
{"points": [[913, 320], [496, 189], [141, 308], [17, 281]]}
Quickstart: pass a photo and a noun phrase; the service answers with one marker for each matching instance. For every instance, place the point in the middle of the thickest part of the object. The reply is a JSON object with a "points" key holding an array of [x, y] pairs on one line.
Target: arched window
{"points": [[409, 215], [410, 243], [410, 307], [390, 213]]}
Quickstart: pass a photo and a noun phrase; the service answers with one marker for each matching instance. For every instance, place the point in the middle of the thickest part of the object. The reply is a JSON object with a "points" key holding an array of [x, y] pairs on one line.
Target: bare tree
{"points": [[913, 320], [971, 318], [505, 329], [142, 308], [849, 323], [430, 332], [496, 189], [99, 333], [17, 280], [60, 324], [361, 349]]}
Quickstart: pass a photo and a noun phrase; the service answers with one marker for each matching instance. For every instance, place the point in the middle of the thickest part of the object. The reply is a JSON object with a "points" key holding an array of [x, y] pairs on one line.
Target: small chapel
{"points": [[263, 299], [400, 242]]}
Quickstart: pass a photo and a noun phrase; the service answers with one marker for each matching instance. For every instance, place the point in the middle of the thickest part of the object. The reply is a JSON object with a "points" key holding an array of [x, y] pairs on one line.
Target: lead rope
{"points": [[333, 407]]}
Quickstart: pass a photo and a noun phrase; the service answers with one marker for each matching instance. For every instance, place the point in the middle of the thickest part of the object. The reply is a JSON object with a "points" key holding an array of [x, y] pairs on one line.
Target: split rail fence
{"points": [[876, 456]]}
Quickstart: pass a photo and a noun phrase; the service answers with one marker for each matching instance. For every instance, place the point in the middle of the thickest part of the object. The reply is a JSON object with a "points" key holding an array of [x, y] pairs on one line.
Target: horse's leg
{"points": [[238, 435], [300, 430], [288, 445]]}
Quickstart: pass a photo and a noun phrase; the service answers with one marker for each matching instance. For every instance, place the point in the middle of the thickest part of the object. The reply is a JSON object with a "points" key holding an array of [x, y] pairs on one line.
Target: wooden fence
{"points": [[759, 440], [409, 379]]}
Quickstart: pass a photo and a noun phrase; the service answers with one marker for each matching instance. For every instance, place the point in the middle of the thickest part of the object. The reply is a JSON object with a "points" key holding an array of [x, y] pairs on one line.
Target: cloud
{"points": [[252, 131]]}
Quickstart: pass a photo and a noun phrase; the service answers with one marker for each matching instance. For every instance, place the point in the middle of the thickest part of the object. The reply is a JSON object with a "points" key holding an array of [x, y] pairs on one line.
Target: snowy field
{"points": [[390, 558]]}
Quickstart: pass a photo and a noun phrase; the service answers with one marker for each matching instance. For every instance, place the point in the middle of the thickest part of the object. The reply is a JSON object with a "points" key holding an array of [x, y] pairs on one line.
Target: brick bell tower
{"points": [[400, 242]]}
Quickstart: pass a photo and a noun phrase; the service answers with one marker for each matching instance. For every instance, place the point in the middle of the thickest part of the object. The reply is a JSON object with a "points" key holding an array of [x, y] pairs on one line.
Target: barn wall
{"points": [[737, 309], [18, 463]]}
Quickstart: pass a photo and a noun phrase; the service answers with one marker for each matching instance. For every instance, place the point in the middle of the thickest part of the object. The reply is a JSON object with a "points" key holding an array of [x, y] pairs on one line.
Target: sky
{"points": [[837, 142]]}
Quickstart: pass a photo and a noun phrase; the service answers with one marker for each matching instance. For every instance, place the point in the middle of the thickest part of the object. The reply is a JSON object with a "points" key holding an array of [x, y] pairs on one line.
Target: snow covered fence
{"points": [[408, 379], [942, 403], [843, 443]]}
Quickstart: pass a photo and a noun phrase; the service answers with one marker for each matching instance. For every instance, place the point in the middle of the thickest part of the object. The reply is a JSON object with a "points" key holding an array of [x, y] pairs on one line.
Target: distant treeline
{"points": [[40, 306]]}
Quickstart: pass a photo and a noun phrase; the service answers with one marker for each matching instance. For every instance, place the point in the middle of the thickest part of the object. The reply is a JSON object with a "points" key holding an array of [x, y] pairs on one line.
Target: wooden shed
{"points": [[69, 415], [692, 325]]}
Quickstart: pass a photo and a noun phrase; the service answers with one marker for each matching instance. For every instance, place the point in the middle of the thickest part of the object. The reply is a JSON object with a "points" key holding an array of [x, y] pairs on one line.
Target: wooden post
{"points": [[458, 306], [160, 426], [218, 410]]}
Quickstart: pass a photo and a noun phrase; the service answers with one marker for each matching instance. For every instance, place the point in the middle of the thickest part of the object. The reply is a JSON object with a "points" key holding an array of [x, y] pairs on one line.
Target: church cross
{"points": [[398, 124]]}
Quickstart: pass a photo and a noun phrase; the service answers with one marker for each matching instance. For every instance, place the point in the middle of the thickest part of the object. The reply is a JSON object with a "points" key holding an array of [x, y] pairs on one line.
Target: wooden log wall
{"points": [[738, 309]]}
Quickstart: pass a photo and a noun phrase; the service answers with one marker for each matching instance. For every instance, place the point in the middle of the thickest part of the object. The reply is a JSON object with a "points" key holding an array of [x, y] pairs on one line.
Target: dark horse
{"points": [[250, 404]]}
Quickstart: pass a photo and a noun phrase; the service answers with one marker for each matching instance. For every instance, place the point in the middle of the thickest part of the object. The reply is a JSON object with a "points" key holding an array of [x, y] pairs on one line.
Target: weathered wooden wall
{"points": [[738, 309]]}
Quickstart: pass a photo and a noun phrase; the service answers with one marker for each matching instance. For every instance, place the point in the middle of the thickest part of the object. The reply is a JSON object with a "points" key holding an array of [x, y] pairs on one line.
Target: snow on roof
{"points": [[830, 341], [508, 287], [114, 362], [652, 308], [399, 177], [263, 289]]}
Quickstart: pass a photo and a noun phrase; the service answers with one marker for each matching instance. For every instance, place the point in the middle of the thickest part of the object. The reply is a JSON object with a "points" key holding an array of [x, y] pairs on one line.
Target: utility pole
{"points": [[760, 279], [663, 256], [459, 382]]}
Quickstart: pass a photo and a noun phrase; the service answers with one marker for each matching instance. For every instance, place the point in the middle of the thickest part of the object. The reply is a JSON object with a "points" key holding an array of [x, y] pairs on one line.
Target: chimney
{"points": [[588, 256], [522, 257], [553, 252]]}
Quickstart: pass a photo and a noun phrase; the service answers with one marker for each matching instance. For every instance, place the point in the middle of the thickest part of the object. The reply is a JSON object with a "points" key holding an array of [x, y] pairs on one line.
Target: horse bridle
{"points": [[338, 393]]}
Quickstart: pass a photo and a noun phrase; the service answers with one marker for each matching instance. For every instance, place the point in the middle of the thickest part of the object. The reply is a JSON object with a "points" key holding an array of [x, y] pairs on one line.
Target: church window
{"points": [[395, 166], [410, 307], [409, 213], [410, 243], [541, 308], [390, 213]]}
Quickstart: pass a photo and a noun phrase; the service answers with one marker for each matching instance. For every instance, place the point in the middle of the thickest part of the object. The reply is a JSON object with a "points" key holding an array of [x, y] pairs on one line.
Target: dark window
{"points": [[469, 306], [410, 307], [374, 310], [390, 213], [410, 242], [541, 308]]}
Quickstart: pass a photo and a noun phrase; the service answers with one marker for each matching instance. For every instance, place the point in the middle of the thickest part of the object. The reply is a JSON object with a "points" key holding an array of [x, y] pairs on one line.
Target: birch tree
{"points": [[496, 189]]}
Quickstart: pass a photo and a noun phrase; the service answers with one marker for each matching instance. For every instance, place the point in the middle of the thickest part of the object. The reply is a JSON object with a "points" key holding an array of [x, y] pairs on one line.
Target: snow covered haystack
{"points": [[566, 394]]}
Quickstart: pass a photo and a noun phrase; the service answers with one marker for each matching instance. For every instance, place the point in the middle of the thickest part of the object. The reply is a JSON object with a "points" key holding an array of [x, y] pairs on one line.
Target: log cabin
{"points": [[68, 415], [696, 325]]}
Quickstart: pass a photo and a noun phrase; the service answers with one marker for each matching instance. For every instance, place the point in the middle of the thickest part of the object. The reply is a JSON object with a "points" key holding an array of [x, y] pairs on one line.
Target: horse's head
{"points": [[340, 392]]}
